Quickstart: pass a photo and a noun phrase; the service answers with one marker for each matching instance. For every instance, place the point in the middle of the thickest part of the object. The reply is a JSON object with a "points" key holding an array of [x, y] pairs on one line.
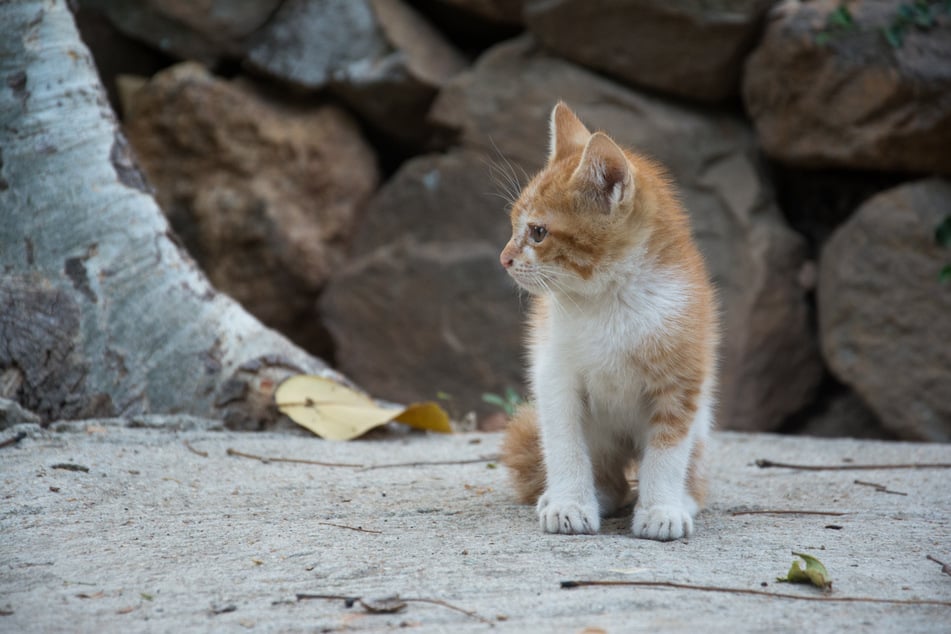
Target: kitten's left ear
{"points": [[605, 171], [568, 134]]}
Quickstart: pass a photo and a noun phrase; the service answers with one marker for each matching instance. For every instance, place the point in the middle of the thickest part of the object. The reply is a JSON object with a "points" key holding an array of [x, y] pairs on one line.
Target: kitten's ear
{"points": [[567, 132], [605, 171]]}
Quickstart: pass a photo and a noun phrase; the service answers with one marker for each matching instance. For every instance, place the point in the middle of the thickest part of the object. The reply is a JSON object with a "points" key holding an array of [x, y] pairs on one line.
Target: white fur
{"points": [[591, 404]]}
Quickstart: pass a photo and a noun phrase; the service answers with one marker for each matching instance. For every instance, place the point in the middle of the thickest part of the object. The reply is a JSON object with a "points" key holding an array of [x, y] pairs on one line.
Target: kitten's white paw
{"points": [[567, 516], [662, 522]]}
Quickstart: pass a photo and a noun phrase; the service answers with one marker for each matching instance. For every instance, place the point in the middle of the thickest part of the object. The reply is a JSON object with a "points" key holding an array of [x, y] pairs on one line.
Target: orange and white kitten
{"points": [[623, 340]]}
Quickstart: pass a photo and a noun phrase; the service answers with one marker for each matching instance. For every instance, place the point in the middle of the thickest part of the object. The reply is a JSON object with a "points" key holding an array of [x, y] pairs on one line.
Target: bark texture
{"points": [[101, 312]]}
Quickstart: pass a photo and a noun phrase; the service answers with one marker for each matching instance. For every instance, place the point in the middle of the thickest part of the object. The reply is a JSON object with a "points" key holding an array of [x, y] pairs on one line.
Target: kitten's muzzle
{"points": [[507, 257]]}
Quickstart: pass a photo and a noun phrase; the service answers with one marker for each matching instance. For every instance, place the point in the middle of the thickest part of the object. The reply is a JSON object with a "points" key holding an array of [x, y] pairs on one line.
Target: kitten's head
{"points": [[572, 222]]}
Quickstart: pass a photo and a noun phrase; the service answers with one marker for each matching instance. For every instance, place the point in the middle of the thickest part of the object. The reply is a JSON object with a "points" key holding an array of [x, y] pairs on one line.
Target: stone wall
{"points": [[342, 167]]}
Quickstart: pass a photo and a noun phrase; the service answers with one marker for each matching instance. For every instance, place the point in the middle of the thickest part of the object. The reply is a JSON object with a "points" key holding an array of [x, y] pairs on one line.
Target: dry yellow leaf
{"points": [[336, 412]]}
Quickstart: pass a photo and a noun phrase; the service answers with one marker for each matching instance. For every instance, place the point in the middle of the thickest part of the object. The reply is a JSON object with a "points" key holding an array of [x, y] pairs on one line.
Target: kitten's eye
{"points": [[537, 233]]}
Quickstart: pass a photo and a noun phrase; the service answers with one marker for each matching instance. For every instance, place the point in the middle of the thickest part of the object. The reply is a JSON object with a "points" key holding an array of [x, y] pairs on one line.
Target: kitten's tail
{"points": [[522, 454]]}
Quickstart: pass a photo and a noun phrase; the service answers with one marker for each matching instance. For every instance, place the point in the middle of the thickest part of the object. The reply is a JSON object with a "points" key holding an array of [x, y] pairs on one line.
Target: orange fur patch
{"points": [[522, 454], [696, 474]]}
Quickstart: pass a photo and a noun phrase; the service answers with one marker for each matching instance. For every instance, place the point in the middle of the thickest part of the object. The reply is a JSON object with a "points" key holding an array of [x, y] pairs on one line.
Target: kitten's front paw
{"points": [[662, 522], [568, 517]]}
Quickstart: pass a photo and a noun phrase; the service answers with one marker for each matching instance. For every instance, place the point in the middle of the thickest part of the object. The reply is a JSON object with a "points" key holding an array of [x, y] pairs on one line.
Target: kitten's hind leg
{"points": [[610, 478], [614, 491], [665, 508]]}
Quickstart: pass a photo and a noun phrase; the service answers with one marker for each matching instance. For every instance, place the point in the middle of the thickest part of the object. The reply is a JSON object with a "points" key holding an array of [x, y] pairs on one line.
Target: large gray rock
{"points": [[424, 306], [265, 196], [683, 47], [381, 56], [825, 87], [884, 313], [203, 30], [500, 110], [843, 415]]}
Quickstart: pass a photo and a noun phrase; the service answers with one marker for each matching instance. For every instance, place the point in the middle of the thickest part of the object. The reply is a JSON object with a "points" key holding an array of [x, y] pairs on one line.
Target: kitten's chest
{"points": [[604, 343], [601, 347]]}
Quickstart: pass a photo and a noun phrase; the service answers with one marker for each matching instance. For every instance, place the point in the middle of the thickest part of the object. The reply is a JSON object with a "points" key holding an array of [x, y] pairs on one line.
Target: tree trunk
{"points": [[102, 313]]}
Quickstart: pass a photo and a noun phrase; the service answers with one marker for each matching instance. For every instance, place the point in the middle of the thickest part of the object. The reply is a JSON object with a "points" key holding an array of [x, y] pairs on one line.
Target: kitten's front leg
{"points": [[664, 509], [569, 504]]}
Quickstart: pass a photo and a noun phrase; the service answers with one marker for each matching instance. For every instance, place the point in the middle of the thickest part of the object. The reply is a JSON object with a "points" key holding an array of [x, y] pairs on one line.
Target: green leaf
{"points": [[945, 275], [893, 36], [822, 38], [443, 396], [942, 233], [508, 403], [907, 11], [494, 399], [814, 572], [840, 18], [923, 18]]}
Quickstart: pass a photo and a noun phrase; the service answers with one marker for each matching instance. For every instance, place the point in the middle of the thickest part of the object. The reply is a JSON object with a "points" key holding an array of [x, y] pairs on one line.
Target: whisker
{"points": [[513, 177], [503, 196], [551, 280], [505, 193], [502, 178]]}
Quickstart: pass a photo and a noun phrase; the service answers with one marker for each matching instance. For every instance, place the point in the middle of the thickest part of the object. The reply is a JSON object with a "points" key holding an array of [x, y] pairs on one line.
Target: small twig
{"points": [[945, 568], [880, 488], [14, 440], [444, 604], [766, 464], [267, 459], [788, 512], [394, 465], [68, 466], [776, 595], [203, 454], [352, 528], [348, 601], [351, 601]]}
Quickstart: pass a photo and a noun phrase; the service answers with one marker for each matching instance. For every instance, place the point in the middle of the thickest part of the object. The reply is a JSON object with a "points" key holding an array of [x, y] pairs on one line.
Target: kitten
{"points": [[623, 339]]}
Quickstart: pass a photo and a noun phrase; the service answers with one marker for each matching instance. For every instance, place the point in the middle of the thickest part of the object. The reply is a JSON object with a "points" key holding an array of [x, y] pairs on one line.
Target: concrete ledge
{"points": [[155, 537]]}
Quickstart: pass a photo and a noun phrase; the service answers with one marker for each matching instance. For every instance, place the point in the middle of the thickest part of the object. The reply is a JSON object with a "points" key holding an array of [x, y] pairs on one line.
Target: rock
{"points": [[883, 312], [265, 196], [115, 53], [825, 87], [380, 56], [500, 110], [684, 47], [12, 413], [204, 30], [844, 415], [424, 306], [498, 421]]}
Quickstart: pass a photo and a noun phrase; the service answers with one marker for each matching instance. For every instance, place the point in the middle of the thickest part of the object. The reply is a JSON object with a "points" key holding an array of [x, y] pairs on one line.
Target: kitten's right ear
{"points": [[605, 172], [568, 134]]}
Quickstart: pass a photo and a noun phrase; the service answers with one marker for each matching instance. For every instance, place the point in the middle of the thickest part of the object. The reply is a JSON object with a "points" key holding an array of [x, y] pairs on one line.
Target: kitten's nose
{"points": [[506, 259]]}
